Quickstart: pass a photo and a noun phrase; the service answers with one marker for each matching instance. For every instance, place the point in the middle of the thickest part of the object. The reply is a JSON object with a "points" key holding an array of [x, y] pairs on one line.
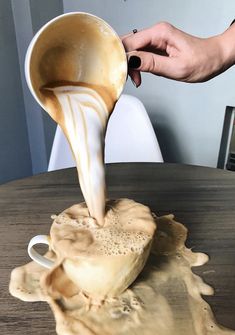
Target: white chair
{"points": [[129, 138]]}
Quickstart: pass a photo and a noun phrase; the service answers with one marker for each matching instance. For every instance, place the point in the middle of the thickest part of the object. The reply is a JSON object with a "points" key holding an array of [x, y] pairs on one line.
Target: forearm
{"points": [[211, 56]]}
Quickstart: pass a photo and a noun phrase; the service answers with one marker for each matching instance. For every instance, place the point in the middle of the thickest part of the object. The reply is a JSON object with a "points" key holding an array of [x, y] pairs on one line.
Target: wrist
{"points": [[226, 42]]}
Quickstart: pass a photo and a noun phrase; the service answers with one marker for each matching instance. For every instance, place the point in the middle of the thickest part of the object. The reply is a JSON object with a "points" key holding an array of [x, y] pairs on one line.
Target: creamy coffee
{"points": [[82, 111], [103, 261]]}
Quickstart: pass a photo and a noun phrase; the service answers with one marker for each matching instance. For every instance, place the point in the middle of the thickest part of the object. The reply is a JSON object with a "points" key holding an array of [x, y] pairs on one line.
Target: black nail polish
{"points": [[134, 62]]}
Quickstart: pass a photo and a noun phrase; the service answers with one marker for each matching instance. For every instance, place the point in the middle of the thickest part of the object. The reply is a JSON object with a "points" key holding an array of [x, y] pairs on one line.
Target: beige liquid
{"points": [[103, 261], [164, 300], [82, 111]]}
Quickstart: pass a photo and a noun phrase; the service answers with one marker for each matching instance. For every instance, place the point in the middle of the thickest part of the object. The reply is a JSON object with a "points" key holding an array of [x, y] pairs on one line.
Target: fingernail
{"points": [[134, 83], [134, 62]]}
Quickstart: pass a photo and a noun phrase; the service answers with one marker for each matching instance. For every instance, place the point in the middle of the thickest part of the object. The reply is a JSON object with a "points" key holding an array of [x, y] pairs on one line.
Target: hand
{"points": [[169, 52]]}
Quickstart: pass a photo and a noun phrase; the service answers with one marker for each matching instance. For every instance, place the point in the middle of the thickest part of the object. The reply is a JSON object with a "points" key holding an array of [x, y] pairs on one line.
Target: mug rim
{"points": [[36, 36]]}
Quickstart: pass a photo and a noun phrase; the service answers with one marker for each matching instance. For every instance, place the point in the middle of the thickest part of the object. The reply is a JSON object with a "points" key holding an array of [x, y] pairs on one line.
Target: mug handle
{"points": [[34, 255]]}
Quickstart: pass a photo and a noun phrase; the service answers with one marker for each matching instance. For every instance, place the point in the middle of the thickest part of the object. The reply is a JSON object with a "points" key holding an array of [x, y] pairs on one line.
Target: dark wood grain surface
{"points": [[201, 198]]}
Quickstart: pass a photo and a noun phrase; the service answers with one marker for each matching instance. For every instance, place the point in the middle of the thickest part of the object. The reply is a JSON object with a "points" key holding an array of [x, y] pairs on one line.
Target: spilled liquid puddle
{"points": [[165, 299]]}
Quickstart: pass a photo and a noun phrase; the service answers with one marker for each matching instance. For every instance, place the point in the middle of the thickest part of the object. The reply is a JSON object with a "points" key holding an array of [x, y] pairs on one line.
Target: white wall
{"points": [[34, 121], [26, 132], [15, 160], [188, 118]]}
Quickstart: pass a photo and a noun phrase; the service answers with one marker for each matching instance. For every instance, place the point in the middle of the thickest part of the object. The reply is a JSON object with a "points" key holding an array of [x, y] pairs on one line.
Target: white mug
{"points": [[76, 47], [97, 276]]}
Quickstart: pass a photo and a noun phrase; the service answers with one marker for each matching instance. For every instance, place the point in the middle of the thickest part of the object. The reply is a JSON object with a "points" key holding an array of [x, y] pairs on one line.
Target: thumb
{"points": [[149, 62]]}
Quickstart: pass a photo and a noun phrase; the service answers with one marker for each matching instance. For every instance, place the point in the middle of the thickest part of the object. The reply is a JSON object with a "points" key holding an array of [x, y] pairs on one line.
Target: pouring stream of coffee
{"points": [[76, 69], [82, 111]]}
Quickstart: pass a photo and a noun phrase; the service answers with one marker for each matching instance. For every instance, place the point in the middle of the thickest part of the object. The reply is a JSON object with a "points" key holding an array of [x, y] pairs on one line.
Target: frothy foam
{"points": [[103, 260], [128, 228]]}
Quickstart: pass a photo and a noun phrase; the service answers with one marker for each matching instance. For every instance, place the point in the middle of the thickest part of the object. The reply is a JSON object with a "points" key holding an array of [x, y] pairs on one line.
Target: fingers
{"points": [[135, 77], [137, 41], [149, 62], [156, 37], [153, 38], [122, 37]]}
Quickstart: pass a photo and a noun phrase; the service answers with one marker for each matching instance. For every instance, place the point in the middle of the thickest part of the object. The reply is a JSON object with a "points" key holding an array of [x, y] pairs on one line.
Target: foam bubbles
{"points": [[116, 238], [115, 241]]}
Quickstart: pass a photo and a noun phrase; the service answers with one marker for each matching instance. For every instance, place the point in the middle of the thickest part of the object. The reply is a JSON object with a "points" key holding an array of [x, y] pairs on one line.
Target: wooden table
{"points": [[201, 198]]}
